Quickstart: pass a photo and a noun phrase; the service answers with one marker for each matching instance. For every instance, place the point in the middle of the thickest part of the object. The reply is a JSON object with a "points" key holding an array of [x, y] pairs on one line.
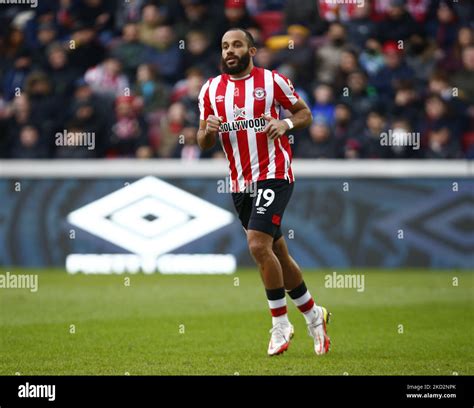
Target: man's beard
{"points": [[242, 64]]}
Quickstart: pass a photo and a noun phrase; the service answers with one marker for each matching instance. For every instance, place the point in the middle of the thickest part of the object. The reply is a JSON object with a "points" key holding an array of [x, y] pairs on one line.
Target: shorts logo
{"points": [[261, 210], [259, 94]]}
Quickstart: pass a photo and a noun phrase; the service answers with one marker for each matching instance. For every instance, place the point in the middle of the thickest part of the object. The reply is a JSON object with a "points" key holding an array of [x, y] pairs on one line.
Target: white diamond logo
{"points": [[150, 217]]}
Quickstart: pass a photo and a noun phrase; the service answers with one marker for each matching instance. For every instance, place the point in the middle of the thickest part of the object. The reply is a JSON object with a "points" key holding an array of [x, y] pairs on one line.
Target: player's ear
{"points": [[252, 51]]}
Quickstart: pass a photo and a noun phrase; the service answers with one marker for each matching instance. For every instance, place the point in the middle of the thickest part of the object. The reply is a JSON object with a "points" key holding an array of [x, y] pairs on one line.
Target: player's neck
{"points": [[244, 73]]}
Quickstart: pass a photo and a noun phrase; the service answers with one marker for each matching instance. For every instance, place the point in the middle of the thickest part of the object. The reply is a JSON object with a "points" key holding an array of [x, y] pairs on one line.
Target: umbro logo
{"points": [[150, 217]]}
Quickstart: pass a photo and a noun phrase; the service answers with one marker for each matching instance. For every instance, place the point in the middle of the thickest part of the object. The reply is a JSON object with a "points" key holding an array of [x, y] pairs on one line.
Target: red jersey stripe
{"points": [[242, 136]]}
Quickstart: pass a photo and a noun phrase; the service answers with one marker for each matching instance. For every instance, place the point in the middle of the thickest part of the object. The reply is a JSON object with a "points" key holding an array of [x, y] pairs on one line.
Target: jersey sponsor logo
{"points": [[239, 112], [259, 94], [257, 124]]}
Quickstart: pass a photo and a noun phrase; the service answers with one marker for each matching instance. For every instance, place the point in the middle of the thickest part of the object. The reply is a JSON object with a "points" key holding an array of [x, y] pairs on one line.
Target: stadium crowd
{"points": [[130, 73]]}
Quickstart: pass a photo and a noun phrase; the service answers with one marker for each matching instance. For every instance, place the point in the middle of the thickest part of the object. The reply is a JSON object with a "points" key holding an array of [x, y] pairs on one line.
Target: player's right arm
{"points": [[209, 123], [207, 133]]}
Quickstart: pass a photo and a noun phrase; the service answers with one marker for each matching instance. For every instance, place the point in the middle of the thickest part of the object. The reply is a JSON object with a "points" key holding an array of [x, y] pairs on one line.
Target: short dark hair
{"points": [[248, 36]]}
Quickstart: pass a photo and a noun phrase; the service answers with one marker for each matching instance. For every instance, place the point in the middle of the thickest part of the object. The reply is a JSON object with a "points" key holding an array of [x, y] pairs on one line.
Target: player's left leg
{"points": [[316, 316], [266, 212]]}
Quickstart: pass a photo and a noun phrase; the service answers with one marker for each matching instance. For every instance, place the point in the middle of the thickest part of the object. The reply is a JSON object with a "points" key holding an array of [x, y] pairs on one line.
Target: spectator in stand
{"points": [[299, 56], [27, 143], [59, 68], [18, 115], [107, 78], [353, 149], [347, 65], [85, 49], [47, 35], [320, 144], [14, 44], [15, 76], [371, 58], [129, 134], [83, 93], [151, 19], [343, 123], [371, 135], [89, 119], [440, 84], [187, 148], [154, 93], [235, 15], [130, 51], [445, 27], [406, 103], [264, 58], [165, 54], [420, 57], [46, 107], [437, 112], [464, 79], [199, 15], [452, 60], [305, 13], [96, 13], [329, 55], [199, 53], [361, 27], [323, 107], [359, 94], [394, 71], [190, 98], [170, 129], [442, 144], [398, 24]]}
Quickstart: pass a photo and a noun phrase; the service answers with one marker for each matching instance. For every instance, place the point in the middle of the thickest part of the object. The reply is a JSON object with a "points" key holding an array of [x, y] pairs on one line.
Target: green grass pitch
{"points": [[200, 325]]}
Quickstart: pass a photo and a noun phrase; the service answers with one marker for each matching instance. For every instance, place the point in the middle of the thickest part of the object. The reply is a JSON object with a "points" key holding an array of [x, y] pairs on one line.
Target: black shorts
{"points": [[261, 208]]}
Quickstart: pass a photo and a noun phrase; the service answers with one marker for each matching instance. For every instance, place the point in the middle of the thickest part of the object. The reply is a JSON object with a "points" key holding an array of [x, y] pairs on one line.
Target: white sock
{"points": [[278, 311]]}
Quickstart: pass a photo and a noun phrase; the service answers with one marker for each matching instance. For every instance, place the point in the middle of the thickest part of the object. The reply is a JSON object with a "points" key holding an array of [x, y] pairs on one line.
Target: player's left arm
{"points": [[301, 118]]}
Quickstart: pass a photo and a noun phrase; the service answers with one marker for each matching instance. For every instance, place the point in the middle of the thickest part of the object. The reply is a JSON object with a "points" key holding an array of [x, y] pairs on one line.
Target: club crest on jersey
{"points": [[259, 94]]}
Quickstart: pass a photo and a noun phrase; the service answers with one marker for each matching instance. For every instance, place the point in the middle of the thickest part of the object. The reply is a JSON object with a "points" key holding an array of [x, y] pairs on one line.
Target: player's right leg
{"points": [[316, 316], [260, 246]]}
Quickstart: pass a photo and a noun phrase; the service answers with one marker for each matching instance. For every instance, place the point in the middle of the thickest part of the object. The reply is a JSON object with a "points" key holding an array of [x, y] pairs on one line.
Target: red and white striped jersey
{"points": [[240, 103]]}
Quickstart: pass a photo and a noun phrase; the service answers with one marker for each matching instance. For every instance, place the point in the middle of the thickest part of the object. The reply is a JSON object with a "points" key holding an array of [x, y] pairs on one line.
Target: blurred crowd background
{"points": [[130, 72]]}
